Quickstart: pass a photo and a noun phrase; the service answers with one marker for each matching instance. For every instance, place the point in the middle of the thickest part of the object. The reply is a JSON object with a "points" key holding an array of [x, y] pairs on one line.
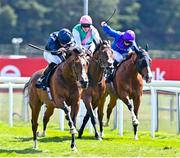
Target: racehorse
{"points": [[128, 84], [68, 78], [102, 59]]}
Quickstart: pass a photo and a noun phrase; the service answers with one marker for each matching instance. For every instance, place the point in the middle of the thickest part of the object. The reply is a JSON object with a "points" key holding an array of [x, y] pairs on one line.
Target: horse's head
{"points": [[79, 69], [143, 64], [103, 54]]}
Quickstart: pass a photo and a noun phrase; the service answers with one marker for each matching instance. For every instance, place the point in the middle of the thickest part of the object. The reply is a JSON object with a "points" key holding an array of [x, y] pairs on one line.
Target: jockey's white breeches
{"points": [[117, 56], [51, 58]]}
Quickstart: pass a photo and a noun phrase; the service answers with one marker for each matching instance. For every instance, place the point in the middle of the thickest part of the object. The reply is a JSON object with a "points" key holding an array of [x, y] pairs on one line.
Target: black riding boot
{"points": [[42, 81], [110, 72], [109, 77]]}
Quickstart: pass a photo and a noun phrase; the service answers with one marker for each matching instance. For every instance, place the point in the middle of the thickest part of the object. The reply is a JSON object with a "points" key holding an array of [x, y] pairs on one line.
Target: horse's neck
{"points": [[66, 71], [95, 72], [129, 67]]}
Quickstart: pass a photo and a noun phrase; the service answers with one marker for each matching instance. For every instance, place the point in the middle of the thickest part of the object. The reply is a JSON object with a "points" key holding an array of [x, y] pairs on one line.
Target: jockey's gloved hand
{"points": [[89, 53], [62, 50]]}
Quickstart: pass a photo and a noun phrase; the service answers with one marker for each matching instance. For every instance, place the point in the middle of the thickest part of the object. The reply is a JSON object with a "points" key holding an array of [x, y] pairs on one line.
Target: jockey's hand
{"points": [[130, 53], [89, 53], [62, 50], [103, 23]]}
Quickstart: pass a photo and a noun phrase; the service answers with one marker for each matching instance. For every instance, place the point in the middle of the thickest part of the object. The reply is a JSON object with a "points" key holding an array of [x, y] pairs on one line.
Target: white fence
{"points": [[169, 86]]}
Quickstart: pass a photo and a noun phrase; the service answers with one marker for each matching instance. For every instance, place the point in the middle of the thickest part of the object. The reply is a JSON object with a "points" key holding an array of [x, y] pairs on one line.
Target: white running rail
{"points": [[11, 83]]}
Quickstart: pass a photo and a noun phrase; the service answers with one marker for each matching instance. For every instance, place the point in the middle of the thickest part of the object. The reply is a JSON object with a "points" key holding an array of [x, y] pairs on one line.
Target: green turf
{"points": [[17, 142]]}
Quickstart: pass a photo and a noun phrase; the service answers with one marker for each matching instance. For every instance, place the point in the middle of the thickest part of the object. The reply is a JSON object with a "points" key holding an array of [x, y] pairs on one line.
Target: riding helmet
{"points": [[129, 35], [65, 36], [86, 19]]}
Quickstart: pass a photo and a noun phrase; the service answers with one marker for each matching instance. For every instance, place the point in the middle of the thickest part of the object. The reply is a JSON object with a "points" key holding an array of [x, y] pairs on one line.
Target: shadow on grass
{"points": [[44, 139], [54, 139], [22, 151], [23, 139]]}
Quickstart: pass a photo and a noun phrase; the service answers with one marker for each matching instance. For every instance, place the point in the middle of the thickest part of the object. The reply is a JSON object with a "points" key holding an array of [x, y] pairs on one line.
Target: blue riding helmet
{"points": [[65, 36]]}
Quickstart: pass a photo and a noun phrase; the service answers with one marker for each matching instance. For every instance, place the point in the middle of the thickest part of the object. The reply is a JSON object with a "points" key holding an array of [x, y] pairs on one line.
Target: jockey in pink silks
{"points": [[86, 35]]}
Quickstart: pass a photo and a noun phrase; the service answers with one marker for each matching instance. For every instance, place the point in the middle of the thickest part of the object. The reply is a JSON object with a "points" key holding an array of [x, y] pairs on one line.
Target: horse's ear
{"points": [[136, 49], [147, 47]]}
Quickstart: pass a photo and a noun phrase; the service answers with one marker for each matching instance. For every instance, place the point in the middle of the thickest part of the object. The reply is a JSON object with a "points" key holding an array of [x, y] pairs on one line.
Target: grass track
{"points": [[17, 141]]}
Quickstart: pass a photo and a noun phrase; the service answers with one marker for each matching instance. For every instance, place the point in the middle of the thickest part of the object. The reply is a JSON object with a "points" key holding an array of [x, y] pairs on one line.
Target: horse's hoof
{"points": [[35, 145], [102, 134], [73, 130], [74, 149], [97, 136], [136, 137]]}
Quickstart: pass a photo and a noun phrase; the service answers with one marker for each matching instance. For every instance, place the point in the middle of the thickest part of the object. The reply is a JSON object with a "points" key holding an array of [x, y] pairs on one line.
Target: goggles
{"points": [[128, 43], [85, 25], [70, 44]]}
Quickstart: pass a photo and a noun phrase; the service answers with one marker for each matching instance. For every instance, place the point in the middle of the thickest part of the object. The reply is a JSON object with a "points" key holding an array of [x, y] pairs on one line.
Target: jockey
{"points": [[122, 46], [86, 35], [55, 51]]}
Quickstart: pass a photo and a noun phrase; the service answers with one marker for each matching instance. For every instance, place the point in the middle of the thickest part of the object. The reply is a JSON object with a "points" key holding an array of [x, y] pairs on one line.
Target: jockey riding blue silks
{"points": [[123, 44], [58, 41]]}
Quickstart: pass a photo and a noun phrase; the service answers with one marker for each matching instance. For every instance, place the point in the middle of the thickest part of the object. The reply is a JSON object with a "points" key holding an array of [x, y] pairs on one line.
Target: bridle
{"points": [[100, 61], [143, 60]]}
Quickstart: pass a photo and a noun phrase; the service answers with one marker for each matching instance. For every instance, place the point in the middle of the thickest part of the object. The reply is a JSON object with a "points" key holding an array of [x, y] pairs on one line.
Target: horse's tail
{"points": [[25, 93]]}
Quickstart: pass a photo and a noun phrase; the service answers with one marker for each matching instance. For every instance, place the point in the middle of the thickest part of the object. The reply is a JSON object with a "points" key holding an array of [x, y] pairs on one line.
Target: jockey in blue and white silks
{"points": [[59, 40], [86, 35], [123, 44], [55, 51]]}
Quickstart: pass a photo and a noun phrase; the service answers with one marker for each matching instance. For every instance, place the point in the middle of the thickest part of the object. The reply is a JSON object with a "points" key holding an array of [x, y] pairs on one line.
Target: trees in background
{"points": [[155, 22]]}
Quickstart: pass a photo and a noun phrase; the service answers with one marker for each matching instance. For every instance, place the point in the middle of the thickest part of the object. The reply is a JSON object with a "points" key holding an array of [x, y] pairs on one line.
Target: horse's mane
{"points": [[102, 42]]}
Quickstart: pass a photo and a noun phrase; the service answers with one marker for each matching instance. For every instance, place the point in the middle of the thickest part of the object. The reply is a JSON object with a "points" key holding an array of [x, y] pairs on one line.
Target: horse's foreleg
{"points": [[74, 113], [69, 119], [101, 113], [136, 102], [85, 120], [93, 121], [73, 145], [131, 109]]}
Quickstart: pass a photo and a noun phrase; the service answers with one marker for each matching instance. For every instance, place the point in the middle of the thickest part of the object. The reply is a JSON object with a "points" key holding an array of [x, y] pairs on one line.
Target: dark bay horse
{"points": [[69, 78], [128, 84], [101, 60]]}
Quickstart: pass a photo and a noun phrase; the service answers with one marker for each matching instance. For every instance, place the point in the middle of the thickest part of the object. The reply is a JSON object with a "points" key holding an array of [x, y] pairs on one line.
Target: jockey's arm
{"points": [[77, 38], [111, 32], [96, 40]]}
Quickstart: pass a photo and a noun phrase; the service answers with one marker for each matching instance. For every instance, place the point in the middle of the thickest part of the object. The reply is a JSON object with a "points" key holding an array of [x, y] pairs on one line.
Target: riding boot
{"points": [[42, 81], [109, 77], [111, 71]]}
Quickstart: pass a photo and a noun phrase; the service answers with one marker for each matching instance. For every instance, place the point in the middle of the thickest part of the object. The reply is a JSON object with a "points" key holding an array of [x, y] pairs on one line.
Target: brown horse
{"points": [[128, 84], [101, 60], [69, 78]]}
